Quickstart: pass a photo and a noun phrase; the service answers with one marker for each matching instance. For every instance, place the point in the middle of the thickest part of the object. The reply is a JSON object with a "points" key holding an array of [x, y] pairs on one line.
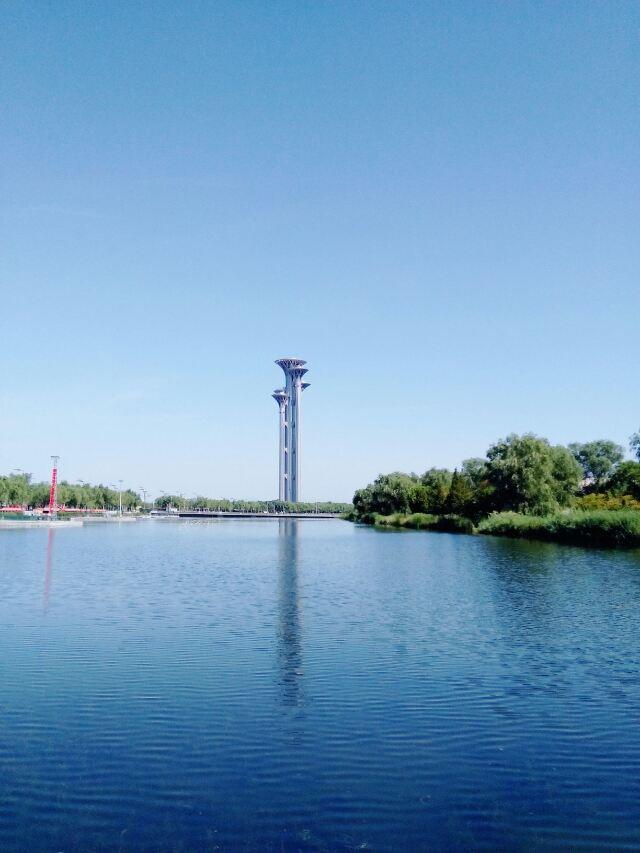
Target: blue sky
{"points": [[435, 204]]}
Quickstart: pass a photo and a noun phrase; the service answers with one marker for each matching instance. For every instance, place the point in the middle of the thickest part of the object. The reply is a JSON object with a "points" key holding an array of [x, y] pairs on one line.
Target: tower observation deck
{"points": [[289, 399]]}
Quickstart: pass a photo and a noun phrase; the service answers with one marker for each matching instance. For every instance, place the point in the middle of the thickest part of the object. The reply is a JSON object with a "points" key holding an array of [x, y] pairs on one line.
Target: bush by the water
{"points": [[597, 528], [424, 521], [597, 500], [606, 528]]}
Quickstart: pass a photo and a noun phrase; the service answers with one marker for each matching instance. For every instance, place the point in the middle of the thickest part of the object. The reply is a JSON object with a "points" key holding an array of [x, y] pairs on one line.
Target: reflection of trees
{"points": [[47, 568], [289, 645]]}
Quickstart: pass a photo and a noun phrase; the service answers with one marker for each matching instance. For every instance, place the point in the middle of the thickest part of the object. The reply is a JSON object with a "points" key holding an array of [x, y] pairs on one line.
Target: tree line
{"points": [[225, 505], [522, 474], [17, 490]]}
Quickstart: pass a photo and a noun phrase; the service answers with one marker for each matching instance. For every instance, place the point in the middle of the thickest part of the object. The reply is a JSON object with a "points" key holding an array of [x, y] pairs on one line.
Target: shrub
{"points": [[596, 528], [419, 521], [512, 524], [454, 524], [606, 501], [424, 521]]}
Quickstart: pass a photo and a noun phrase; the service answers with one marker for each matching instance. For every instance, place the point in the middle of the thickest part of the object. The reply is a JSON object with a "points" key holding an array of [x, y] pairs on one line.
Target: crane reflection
{"points": [[48, 563]]}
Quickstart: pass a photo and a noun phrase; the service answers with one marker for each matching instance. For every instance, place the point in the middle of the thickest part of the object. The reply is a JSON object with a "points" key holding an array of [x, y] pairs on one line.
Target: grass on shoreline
{"points": [[423, 521], [589, 528], [592, 528]]}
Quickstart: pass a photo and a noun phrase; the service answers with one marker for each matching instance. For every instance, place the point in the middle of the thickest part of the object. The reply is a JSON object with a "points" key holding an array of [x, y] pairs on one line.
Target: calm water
{"points": [[315, 686]]}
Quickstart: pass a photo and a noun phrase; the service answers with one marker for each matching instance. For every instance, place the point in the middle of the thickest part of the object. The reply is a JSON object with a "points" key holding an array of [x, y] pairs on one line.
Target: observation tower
{"points": [[288, 400]]}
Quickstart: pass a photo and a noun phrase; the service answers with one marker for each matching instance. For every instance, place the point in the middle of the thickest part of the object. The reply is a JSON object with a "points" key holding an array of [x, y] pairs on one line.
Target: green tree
{"points": [[166, 501], [529, 476], [482, 500], [437, 482], [420, 498], [387, 494], [475, 470], [71, 496], [634, 444], [567, 473], [460, 495], [17, 489], [38, 495], [626, 480], [598, 459]]}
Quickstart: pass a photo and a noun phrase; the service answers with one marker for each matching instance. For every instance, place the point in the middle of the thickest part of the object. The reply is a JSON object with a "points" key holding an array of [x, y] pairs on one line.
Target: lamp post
{"points": [[144, 496], [79, 504], [120, 495]]}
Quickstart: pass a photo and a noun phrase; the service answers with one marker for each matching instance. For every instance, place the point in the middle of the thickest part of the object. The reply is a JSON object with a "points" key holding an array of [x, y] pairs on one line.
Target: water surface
{"points": [[313, 685]]}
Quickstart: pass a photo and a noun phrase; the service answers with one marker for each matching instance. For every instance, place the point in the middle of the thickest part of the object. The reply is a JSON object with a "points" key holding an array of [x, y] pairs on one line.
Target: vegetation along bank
{"points": [[18, 491], [525, 487]]}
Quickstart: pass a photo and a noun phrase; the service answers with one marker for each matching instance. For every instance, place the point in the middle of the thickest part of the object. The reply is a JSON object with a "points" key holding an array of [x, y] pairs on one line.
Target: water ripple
{"points": [[315, 686]]}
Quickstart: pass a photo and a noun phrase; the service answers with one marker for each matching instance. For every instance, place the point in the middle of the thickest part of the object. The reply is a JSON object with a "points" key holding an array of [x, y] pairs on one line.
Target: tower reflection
{"points": [[289, 644], [47, 569]]}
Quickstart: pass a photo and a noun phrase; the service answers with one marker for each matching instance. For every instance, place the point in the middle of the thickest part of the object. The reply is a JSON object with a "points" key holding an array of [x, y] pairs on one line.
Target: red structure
{"points": [[53, 492]]}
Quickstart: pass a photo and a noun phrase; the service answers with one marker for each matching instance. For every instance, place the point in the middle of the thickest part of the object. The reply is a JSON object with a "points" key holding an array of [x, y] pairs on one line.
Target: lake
{"points": [[315, 685]]}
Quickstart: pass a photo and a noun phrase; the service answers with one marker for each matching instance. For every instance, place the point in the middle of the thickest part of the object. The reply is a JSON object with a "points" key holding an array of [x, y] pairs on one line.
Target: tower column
{"points": [[289, 433], [282, 472], [294, 370], [295, 440], [280, 396]]}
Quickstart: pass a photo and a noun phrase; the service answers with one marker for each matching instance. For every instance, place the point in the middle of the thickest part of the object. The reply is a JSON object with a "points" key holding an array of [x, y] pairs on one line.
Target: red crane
{"points": [[53, 492]]}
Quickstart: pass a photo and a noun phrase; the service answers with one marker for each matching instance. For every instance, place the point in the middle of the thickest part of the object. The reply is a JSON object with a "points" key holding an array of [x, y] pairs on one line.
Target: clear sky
{"points": [[435, 203]]}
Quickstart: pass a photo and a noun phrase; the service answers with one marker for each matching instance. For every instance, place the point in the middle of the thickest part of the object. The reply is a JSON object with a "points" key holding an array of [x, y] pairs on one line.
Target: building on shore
{"points": [[289, 399]]}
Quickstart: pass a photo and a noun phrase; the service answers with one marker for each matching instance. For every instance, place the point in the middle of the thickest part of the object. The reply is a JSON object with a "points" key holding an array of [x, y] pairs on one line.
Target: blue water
{"points": [[315, 686]]}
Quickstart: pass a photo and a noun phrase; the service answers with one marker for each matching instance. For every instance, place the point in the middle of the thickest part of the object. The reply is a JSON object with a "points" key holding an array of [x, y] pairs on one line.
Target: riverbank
{"points": [[30, 524], [42, 521], [591, 529]]}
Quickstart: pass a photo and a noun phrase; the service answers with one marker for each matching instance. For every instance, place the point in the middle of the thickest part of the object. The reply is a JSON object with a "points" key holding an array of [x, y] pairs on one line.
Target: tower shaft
{"points": [[289, 432], [295, 440], [290, 454], [282, 456], [280, 396]]}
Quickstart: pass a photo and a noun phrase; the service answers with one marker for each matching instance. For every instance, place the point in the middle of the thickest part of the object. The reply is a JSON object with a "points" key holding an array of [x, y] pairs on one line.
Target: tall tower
{"points": [[294, 371], [280, 396]]}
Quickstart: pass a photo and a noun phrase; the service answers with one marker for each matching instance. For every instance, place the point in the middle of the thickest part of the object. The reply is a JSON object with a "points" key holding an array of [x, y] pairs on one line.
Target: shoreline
{"points": [[610, 529], [29, 524]]}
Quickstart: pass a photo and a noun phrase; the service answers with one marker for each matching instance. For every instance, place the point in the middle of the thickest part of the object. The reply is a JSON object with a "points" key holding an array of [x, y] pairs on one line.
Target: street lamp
{"points": [[79, 503], [144, 496], [120, 495]]}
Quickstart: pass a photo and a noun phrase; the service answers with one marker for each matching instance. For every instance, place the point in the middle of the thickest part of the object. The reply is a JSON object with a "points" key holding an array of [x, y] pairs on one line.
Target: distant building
{"points": [[288, 400]]}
